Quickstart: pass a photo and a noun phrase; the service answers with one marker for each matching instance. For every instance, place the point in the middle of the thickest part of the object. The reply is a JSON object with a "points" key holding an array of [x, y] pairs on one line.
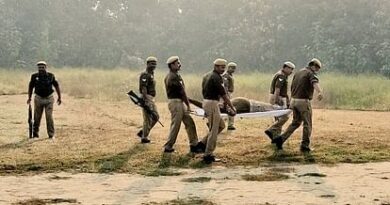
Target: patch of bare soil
{"points": [[306, 184]]}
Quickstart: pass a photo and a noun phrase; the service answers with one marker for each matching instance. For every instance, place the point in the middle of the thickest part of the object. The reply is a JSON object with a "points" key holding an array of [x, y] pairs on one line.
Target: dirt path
{"points": [[306, 184]]}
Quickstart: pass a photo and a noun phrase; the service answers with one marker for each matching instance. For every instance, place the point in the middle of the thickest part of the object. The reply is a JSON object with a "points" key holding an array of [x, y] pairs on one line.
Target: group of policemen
{"points": [[217, 89]]}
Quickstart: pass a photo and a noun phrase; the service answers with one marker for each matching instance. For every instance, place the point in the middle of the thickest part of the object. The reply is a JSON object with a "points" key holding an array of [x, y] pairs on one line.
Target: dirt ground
{"points": [[306, 184], [95, 137]]}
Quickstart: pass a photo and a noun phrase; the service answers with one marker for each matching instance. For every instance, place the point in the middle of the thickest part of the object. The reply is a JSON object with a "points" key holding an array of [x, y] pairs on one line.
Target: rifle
{"points": [[141, 102], [30, 122]]}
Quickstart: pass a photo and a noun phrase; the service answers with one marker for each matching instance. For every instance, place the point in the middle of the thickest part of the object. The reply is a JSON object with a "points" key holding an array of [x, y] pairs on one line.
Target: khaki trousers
{"points": [[230, 118], [180, 114], [276, 128], [216, 125], [302, 112], [149, 121], [40, 104]]}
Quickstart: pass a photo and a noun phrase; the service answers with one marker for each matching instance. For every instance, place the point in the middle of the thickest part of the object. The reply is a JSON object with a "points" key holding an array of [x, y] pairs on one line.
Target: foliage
{"points": [[351, 36]]}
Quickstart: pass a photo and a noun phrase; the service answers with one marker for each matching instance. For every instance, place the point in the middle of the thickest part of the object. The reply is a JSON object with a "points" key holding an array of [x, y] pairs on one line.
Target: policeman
{"points": [[212, 91], [42, 83], [147, 87], [179, 107], [279, 96], [303, 85], [228, 82]]}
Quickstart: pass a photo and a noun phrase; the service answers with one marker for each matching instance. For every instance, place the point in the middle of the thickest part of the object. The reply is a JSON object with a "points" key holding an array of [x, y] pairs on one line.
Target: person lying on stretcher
{"points": [[243, 105]]}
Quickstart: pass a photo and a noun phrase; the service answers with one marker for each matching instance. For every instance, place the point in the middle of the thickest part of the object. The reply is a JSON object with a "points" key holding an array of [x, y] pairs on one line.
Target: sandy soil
{"points": [[342, 184]]}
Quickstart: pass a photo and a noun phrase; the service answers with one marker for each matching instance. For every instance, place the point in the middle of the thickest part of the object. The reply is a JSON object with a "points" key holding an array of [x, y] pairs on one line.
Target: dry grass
{"points": [[185, 201], [46, 201], [266, 176], [362, 92], [100, 136]]}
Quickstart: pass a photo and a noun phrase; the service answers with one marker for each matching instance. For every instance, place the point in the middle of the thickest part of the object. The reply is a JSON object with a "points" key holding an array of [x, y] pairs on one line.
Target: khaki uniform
{"points": [[40, 104], [149, 121], [174, 86], [302, 92], [216, 125], [228, 82], [147, 81], [279, 81], [212, 91], [43, 83]]}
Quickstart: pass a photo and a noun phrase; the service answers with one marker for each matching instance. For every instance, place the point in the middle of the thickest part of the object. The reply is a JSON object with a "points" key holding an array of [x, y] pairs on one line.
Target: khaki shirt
{"points": [[146, 80], [212, 86], [228, 82], [279, 81], [302, 84], [174, 85]]}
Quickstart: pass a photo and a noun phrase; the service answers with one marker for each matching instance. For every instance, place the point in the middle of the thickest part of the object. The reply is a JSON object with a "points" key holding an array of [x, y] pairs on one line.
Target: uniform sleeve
{"points": [[54, 81], [32, 82], [143, 80], [219, 86], [231, 85], [280, 82], [313, 78]]}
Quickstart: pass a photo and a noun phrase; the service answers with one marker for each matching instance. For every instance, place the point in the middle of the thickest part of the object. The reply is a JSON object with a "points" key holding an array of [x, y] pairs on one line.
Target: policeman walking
{"points": [[279, 96], [212, 91], [228, 82], [179, 108], [42, 84], [147, 87], [303, 85]]}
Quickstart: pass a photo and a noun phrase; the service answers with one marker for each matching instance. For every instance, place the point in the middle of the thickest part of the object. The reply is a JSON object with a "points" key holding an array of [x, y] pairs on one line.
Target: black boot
{"points": [[140, 133], [278, 142], [270, 135], [198, 148]]}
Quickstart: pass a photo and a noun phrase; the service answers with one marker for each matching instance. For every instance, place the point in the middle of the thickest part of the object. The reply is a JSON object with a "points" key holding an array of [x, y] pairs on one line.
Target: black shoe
{"points": [[208, 159], [201, 146], [35, 136], [168, 150], [145, 140], [197, 148], [270, 136], [140, 133], [51, 137], [231, 128], [305, 149], [278, 142]]}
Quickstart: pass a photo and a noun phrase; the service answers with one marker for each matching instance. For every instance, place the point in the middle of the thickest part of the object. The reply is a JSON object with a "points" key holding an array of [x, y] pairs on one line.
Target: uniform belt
{"points": [[209, 100], [49, 96], [300, 99], [175, 100]]}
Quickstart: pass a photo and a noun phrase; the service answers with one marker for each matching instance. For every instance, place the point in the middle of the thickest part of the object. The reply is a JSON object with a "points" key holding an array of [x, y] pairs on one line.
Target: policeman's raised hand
{"points": [[320, 96], [59, 101]]}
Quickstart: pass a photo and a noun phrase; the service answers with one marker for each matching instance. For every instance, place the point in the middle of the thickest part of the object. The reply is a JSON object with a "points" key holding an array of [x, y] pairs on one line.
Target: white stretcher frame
{"points": [[273, 113]]}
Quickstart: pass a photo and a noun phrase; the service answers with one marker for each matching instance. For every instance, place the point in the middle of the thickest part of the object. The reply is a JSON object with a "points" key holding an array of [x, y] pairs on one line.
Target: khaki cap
{"points": [[316, 62], [151, 58], [172, 59], [220, 61], [231, 64], [289, 64], [41, 63]]}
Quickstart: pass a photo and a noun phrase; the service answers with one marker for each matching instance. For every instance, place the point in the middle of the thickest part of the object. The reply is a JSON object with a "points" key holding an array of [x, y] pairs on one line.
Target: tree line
{"points": [[350, 36]]}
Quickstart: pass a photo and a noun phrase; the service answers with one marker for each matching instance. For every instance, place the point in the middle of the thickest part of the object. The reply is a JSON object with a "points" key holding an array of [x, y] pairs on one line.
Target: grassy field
{"points": [[360, 92], [99, 136], [96, 126]]}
